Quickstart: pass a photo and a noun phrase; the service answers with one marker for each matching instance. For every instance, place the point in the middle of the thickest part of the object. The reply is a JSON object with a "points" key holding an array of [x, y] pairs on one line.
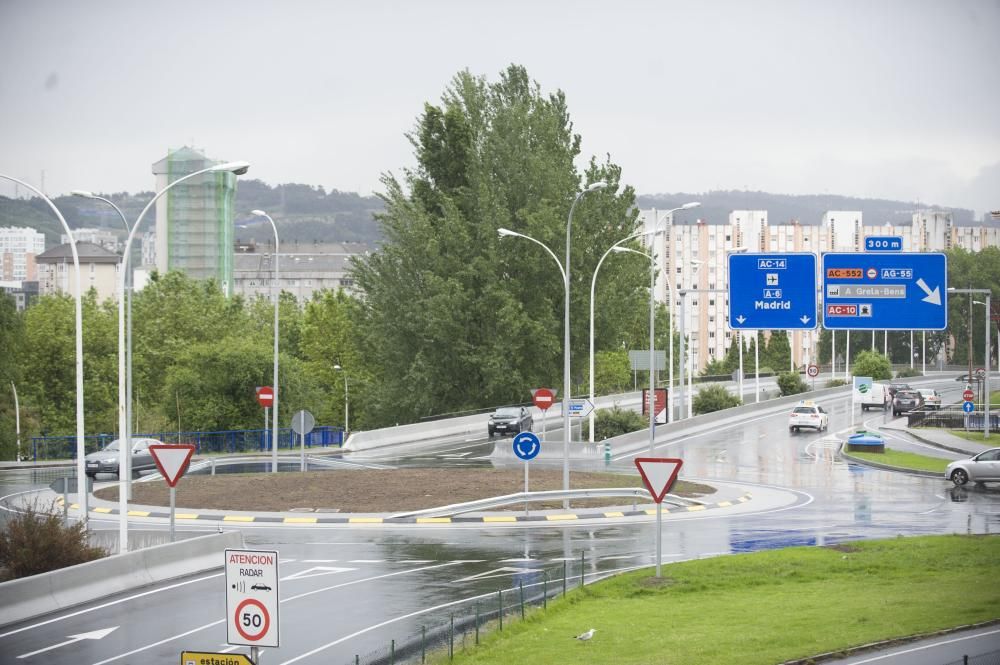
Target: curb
{"points": [[348, 519], [886, 467]]}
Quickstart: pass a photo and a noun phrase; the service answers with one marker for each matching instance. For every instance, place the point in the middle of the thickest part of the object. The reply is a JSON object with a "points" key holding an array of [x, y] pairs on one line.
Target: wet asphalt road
{"points": [[350, 591]]}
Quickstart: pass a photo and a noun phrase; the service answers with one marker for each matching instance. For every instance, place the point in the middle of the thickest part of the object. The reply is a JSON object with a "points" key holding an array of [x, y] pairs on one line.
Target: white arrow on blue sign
{"points": [[906, 291], [526, 445], [772, 291], [968, 407]]}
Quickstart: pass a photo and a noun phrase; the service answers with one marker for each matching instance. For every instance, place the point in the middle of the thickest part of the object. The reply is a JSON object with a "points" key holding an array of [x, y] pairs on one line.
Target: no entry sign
{"points": [[544, 398], [265, 396], [252, 598]]}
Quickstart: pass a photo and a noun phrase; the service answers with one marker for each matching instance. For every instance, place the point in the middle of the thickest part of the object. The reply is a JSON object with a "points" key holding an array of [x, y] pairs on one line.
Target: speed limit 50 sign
{"points": [[252, 598]]}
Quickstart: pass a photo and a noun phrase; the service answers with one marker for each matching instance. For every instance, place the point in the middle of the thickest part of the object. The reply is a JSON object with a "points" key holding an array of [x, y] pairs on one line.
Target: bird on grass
{"points": [[583, 637]]}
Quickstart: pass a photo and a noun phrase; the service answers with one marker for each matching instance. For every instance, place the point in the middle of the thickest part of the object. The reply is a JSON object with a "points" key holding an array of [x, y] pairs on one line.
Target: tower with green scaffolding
{"points": [[194, 220]]}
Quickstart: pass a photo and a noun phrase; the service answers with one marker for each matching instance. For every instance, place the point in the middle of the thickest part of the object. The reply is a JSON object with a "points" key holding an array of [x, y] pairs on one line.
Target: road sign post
{"points": [[813, 372], [526, 447], [544, 398], [658, 474], [252, 598], [303, 423], [172, 461], [904, 291], [772, 291]]}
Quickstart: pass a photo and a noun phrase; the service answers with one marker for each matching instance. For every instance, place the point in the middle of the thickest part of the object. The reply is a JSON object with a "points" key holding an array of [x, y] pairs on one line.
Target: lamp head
{"points": [[82, 193], [337, 367], [692, 204], [236, 168], [593, 187], [258, 213], [504, 232]]}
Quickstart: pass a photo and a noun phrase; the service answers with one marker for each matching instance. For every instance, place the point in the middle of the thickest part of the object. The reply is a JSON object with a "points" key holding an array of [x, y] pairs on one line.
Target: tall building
{"points": [[18, 249], [194, 220], [694, 255]]}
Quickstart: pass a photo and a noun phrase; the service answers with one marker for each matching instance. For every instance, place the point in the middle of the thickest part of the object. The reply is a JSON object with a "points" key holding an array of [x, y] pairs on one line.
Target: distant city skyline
{"points": [[893, 100]]}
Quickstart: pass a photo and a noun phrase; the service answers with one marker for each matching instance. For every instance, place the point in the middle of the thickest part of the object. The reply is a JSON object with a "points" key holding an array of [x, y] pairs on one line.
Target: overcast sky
{"points": [[888, 99]]}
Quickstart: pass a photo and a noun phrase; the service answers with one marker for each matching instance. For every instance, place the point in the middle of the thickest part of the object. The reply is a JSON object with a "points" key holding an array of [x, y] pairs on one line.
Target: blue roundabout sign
{"points": [[526, 445]]}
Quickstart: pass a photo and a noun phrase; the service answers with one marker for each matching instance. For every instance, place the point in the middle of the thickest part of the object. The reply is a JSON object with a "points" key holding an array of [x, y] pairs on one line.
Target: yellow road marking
{"points": [[614, 514], [300, 520], [723, 504], [557, 518], [238, 518], [102, 510], [695, 508], [433, 520], [499, 519], [138, 513], [186, 516]]}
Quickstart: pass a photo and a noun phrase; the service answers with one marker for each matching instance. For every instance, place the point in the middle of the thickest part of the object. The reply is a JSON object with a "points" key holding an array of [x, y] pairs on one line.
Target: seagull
{"points": [[583, 637]]}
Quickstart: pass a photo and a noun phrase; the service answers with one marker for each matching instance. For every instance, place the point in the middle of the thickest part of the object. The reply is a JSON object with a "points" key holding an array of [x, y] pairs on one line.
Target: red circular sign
{"points": [[265, 396], [813, 370], [968, 395], [544, 398], [872, 273], [254, 623]]}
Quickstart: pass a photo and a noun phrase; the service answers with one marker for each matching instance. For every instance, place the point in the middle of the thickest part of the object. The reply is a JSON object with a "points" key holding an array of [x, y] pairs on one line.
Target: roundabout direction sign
{"points": [[526, 446]]}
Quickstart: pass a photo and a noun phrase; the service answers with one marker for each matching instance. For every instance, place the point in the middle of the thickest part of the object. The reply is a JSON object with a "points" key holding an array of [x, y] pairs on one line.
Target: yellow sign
{"points": [[204, 658]]}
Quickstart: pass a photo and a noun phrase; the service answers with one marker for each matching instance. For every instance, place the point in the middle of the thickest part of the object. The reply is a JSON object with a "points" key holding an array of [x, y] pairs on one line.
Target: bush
{"points": [[908, 371], [872, 364], [790, 383], [613, 422], [714, 398], [36, 541], [833, 383]]}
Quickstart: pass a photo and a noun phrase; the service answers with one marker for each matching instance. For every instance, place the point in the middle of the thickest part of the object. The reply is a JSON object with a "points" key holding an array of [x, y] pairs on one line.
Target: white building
{"points": [[694, 255], [98, 270], [107, 239], [18, 249], [303, 269]]}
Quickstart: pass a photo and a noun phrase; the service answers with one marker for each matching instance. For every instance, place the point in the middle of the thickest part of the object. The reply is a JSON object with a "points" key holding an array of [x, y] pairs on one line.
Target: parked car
{"points": [[906, 400], [982, 468], [808, 414], [932, 400], [106, 460], [510, 420]]}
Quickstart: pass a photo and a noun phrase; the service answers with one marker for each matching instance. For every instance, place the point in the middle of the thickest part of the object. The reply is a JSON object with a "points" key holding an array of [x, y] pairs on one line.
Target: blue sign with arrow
{"points": [[907, 291], [526, 445], [772, 291], [968, 407]]}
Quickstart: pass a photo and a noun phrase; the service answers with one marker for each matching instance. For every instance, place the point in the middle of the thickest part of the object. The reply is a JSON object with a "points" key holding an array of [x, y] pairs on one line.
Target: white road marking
{"points": [[926, 646], [316, 571]]}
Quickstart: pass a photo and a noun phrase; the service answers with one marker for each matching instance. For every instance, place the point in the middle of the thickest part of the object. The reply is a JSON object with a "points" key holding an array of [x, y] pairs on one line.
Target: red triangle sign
{"points": [[659, 474], [172, 461]]}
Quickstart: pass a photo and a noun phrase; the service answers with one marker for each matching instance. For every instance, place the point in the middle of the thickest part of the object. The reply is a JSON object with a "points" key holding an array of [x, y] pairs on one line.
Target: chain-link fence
{"points": [[461, 629]]}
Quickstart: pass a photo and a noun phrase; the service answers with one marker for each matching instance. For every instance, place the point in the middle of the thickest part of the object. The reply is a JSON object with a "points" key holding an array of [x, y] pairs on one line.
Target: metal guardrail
{"points": [[552, 495]]}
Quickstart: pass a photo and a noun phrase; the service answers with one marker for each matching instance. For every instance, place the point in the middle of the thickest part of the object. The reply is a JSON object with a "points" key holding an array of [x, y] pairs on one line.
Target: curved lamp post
{"points": [[81, 475], [276, 294], [127, 434], [236, 168], [17, 420], [346, 403]]}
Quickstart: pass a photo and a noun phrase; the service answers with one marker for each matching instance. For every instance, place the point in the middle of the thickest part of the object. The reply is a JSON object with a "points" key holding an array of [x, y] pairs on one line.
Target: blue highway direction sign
{"points": [[884, 244], [526, 445], [772, 291], [885, 291]]}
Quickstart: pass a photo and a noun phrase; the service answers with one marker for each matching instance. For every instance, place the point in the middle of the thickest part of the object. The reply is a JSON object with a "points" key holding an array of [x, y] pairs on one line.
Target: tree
{"points": [[791, 383], [873, 364], [609, 423], [778, 352], [12, 341], [714, 398], [454, 317]]}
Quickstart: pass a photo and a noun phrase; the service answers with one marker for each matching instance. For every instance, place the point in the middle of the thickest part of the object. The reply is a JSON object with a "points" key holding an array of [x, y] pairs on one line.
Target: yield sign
{"points": [[172, 461], [659, 474]]}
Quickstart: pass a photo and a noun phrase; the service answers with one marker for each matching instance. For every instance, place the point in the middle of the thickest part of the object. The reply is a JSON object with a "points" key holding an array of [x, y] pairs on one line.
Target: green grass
{"points": [[903, 460], [760, 608], [976, 436]]}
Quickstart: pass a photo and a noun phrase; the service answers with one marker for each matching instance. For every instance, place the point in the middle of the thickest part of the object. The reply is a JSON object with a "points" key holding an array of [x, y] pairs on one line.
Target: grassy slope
{"points": [[765, 607], [904, 460]]}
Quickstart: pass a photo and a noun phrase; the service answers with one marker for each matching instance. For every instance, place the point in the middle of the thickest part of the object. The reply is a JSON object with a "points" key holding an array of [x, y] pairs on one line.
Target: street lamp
{"points": [[127, 434], [81, 475], [986, 379], [17, 420], [346, 403], [276, 294], [236, 168], [977, 302]]}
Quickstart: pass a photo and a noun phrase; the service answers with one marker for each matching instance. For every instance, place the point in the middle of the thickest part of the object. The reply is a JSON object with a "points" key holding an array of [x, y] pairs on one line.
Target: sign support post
{"points": [[526, 447], [658, 474], [172, 461]]}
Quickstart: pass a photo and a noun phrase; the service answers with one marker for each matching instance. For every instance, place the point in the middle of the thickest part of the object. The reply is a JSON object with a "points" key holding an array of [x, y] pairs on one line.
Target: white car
{"points": [[808, 414], [982, 468], [932, 400]]}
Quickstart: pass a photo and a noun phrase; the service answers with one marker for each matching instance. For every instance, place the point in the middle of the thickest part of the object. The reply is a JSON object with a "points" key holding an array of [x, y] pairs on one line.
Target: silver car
{"points": [[106, 460], [982, 468]]}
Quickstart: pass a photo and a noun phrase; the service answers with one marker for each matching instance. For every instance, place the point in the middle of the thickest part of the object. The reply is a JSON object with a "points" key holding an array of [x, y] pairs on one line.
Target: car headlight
{"points": [[108, 460]]}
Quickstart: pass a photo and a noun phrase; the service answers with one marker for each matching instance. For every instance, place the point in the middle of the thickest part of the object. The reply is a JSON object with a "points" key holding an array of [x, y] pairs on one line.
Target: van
{"points": [[876, 398]]}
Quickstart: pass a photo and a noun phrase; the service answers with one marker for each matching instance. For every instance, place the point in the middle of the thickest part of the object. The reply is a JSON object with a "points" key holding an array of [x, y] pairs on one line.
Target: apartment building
{"points": [[303, 268], [98, 270], [694, 255], [19, 248], [106, 238]]}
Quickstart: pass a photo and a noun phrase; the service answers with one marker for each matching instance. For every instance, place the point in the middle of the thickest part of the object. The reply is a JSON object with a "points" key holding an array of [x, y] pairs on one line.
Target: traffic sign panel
{"points": [[580, 408], [968, 395], [659, 474], [813, 371], [209, 657], [772, 291], [252, 597], [265, 396], [526, 445], [543, 398], [968, 407], [906, 291], [884, 244], [171, 460]]}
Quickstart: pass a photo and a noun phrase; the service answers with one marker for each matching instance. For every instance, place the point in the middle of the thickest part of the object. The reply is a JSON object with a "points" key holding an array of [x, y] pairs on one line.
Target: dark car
{"points": [[906, 400], [260, 587], [510, 420], [896, 386], [106, 460]]}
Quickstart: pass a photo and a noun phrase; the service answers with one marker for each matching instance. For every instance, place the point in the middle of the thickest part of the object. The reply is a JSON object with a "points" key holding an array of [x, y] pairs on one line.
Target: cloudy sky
{"points": [[876, 98]]}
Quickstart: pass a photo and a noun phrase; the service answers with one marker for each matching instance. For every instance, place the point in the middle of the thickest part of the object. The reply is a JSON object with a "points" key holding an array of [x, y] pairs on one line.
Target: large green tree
{"points": [[456, 317], [12, 341]]}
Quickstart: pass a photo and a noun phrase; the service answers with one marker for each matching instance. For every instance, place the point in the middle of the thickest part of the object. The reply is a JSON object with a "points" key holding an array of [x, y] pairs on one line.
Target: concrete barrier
{"points": [[33, 596]]}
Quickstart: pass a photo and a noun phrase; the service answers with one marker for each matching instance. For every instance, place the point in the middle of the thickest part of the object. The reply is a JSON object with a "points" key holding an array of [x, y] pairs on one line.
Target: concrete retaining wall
{"points": [[57, 590]]}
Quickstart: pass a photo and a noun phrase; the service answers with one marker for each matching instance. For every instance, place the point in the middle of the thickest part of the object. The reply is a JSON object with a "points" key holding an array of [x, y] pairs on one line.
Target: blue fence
{"points": [[225, 441]]}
